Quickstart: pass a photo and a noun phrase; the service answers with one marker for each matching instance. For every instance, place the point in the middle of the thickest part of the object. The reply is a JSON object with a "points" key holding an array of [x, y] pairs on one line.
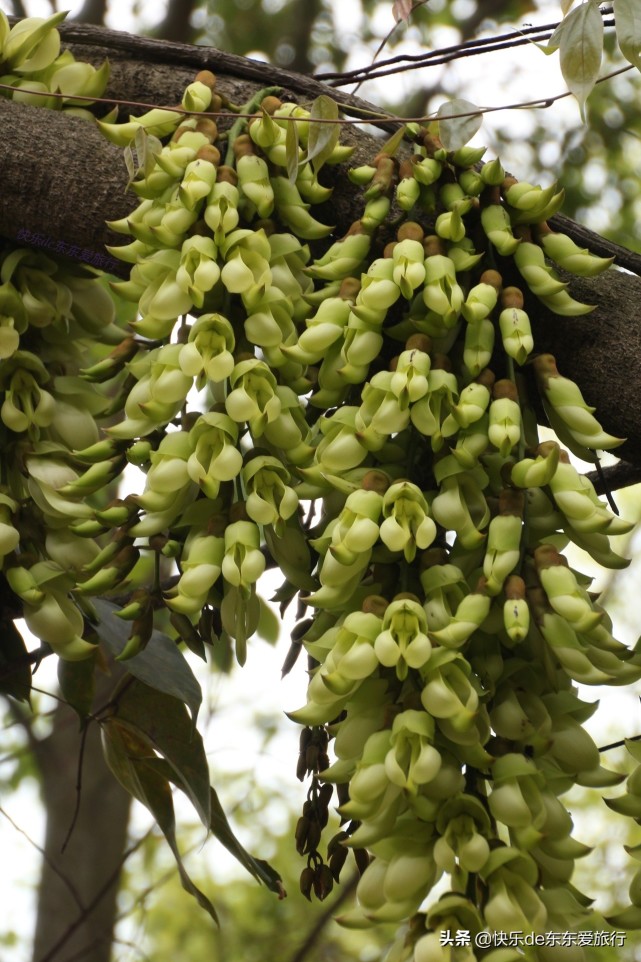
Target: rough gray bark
{"points": [[62, 182], [78, 887]]}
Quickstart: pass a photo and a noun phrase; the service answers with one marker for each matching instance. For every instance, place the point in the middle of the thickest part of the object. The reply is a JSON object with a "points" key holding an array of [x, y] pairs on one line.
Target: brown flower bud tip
{"points": [[545, 448], [217, 524], [545, 367], [388, 250], [431, 144], [323, 882], [209, 153], [300, 630], [508, 182], [512, 501], [325, 794], [493, 278], [486, 377], [433, 556], [543, 229], [350, 286], [362, 859], [238, 512], [547, 556], [306, 882], [505, 388], [157, 542], [208, 127], [514, 588], [432, 244], [441, 362], [410, 230], [385, 171], [356, 227], [393, 364], [335, 843], [374, 605], [242, 146], [407, 596], [227, 174], [419, 342], [405, 169], [179, 131], [491, 195], [266, 224], [206, 77], [271, 104], [512, 297], [125, 350], [376, 481]]}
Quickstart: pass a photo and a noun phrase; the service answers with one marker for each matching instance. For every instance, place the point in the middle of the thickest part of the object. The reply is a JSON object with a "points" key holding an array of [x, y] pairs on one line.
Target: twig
{"points": [[433, 58], [100, 894], [615, 477], [76, 811], [325, 918], [63, 878]]}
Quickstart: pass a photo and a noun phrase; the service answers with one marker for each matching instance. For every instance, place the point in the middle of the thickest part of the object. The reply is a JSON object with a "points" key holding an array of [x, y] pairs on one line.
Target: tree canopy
{"points": [[327, 354]]}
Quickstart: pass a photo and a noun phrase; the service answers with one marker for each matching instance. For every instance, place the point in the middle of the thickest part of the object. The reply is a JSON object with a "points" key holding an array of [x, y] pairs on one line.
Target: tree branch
{"points": [[62, 181]]}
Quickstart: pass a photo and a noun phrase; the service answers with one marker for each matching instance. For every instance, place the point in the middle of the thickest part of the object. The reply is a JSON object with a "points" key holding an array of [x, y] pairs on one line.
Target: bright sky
{"points": [[259, 685]]}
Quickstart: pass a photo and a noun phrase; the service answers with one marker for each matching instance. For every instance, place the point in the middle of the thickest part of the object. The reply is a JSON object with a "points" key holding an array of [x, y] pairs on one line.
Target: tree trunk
{"points": [[78, 887]]}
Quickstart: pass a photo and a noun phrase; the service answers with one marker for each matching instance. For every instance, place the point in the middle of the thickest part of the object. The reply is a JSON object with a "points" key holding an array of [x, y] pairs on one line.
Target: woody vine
{"points": [[359, 412]]}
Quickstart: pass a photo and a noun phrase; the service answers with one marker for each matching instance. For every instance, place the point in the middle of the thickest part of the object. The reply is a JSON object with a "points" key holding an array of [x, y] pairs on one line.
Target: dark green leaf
{"points": [[129, 759], [15, 669], [165, 723], [323, 136], [222, 830], [161, 665], [291, 554]]}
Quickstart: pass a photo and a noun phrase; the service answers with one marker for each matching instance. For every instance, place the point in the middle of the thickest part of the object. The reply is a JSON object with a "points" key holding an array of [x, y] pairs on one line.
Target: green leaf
{"points": [[240, 617], [268, 624], [580, 41], [161, 665], [222, 830], [164, 723], [15, 670], [77, 682], [291, 554], [628, 27], [131, 762], [394, 142], [455, 132], [322, 137]]}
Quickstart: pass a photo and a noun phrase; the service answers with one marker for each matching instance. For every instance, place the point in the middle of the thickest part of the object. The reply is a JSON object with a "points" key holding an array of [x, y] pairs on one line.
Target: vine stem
{"points": [[368, 116]]}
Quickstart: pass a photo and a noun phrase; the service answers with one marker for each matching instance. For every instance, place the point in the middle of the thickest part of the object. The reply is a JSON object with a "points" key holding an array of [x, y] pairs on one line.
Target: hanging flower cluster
{"points": [[269, 363]]}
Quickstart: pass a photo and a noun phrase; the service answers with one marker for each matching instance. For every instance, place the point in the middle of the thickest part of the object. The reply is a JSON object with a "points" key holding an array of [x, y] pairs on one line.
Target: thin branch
{"points": [[61, 875], [88, 909], [620, 744], [614, 477], [324, 919], [385, 41], [76, 811], [433, 58]]}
